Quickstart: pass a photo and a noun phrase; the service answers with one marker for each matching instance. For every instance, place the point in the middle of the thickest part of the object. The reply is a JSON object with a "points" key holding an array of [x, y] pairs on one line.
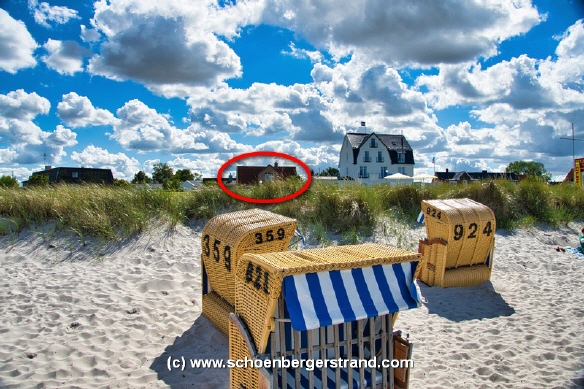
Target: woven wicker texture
{"points": [[467, 226], [259, 277], [432, 269], [240, 377], [466, 276], [217, 310], [227, 237]]}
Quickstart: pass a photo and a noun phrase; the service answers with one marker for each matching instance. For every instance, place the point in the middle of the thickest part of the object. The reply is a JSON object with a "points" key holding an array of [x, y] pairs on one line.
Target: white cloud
{"points": [[528, 86], [44, 14], [17, 46], [78, 111], [313, 55], [122, 166], [28, 143], [89, 34], [23, 106], [143, 129], [167, 46], [405, 32], [66, 57], [7, 156]]}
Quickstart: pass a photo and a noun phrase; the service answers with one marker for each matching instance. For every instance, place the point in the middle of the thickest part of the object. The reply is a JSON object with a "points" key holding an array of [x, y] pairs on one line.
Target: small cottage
{"points": [[258, 174]]}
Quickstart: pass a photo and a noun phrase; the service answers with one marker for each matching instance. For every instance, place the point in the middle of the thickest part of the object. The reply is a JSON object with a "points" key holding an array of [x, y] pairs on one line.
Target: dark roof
{"points": [[393, 143], [77, 175], [484, 175], [250, 174]]}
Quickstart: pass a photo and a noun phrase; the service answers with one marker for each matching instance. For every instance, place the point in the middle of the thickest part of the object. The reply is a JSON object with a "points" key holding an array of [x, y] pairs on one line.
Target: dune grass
{"points": [[349, 209]]}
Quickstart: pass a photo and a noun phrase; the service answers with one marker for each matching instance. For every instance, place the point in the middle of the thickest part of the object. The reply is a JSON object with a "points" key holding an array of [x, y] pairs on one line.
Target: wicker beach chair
{"points": [[329, 304], [225, 238], [460, 243]]}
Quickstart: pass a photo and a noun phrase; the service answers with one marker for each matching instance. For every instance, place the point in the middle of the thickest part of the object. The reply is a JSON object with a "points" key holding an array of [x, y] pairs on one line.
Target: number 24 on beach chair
{"points": [[322, 318]]}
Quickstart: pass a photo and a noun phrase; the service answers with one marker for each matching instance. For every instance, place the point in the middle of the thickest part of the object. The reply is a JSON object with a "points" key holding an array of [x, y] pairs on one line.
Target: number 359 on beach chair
{"points": [[460, 243], [225, 238], [322, 318]]}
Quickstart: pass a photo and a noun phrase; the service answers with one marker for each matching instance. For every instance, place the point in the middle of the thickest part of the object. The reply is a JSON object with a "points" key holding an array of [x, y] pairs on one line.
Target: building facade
{"points": [[371, 157]]}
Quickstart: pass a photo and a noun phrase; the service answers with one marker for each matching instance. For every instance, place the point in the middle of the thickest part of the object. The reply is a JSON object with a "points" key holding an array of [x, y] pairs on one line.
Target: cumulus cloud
{"points": [[162, 44], [45, 14], [122, 166], [23, 106], [17, 46], [78, 111], [404, 32], [89, 34], [28, 143], [66, 57], [143, 129]]}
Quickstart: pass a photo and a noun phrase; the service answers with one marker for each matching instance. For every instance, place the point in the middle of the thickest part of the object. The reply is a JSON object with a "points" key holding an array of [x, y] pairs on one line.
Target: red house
{"points": [[259, 174]]}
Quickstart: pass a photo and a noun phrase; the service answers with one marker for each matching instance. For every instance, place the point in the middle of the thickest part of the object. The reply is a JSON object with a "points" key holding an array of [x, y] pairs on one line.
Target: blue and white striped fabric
{"points": [[421, 217], [331, 297]]}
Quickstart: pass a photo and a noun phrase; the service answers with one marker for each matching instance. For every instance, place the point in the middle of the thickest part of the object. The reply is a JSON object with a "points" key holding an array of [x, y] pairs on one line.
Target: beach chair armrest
{"points": [[242, 328]]}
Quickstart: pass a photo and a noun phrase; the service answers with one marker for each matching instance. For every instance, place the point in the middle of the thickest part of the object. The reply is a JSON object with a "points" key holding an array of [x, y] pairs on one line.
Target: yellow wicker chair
{"points": [[321, 305], [459, 248], [225, 238]]}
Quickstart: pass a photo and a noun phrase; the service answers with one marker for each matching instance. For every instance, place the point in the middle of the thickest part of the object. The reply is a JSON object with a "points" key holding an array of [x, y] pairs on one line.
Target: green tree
{"points": [[329, 172], [38, 180], [184, 175], [121, 183], [172, 184], [8, 182], [529, 168], [162, 172], [141, 178]]}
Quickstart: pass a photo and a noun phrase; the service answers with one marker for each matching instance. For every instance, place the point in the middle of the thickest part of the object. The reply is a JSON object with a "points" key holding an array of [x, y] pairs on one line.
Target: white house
{"points": [[370, 157]]}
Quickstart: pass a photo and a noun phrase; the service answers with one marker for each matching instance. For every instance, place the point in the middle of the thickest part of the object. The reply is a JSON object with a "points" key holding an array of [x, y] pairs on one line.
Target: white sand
{"points": [[111, 315]]}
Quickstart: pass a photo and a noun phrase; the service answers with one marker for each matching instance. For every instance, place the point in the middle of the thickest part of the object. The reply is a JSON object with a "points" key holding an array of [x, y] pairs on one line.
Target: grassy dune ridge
{"points": [[118, 212]]}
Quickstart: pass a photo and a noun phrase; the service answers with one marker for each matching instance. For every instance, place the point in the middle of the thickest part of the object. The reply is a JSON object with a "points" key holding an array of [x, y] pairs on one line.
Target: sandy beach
{"points": [[88, 314]]}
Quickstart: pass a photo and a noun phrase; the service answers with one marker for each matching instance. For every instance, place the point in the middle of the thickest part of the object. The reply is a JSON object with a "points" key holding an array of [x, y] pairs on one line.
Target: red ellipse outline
{"points": [[263, 154]]}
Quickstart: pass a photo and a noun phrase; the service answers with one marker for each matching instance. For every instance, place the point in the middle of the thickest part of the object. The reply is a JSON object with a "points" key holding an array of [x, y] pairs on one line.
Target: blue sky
{"points": [[124, 84]]}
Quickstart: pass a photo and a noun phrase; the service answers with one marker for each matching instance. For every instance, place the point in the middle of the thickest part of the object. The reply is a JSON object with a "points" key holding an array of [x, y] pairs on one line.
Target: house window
{"points": [[379, 156], [75, 174], [401, 170], [401, 157], [268, 177], [363, 172], [366, 158], [383, 171], [373, 143]]}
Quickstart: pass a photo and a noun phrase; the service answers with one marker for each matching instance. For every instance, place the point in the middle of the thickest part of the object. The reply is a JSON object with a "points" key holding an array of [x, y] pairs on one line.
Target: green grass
{"points": [[350, 209]]}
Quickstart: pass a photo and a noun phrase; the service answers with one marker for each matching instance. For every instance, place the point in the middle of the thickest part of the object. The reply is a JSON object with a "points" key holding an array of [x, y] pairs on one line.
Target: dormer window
{"points": [[373, 143], [401, 157]]}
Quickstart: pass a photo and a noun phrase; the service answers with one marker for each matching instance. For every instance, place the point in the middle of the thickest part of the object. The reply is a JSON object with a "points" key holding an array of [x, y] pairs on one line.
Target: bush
{"points": [[533, 199], [38, 180], [8, 182], [496, 195]]}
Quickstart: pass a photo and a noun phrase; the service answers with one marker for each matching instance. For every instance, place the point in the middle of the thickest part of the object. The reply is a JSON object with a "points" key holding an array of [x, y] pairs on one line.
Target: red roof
{"points": [[255, 174]]}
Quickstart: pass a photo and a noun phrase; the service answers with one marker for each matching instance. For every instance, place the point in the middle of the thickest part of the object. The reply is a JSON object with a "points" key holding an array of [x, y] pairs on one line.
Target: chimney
{"points": [[276, 164], [446, 170]]}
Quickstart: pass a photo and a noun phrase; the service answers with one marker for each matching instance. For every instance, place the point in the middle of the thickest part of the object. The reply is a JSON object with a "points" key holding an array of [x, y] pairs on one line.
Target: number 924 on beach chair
{"points": [[225, 238], [322, 318], [459, 248]]}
